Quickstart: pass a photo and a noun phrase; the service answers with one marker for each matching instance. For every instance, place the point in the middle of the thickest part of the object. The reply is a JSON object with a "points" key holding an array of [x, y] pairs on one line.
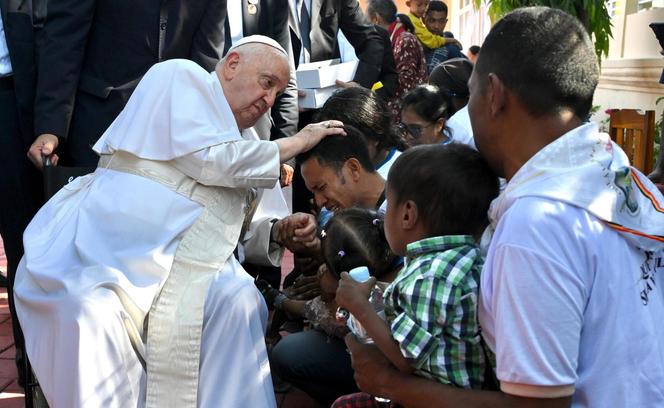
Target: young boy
{"points": [[438, 197], [429, 20]]}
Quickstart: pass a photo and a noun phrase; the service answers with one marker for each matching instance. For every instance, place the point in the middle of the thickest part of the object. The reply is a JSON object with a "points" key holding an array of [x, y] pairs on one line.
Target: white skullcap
{"points": [[258, 39]]}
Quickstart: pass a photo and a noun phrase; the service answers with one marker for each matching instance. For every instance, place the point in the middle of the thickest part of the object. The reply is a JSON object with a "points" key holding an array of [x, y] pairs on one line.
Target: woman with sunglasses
{"points": [[423, 116]]}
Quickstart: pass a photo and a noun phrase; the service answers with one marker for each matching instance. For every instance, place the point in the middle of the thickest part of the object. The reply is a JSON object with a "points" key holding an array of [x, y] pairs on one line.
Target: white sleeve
{"points": [[256, 241], [538, 305], [239, 163]]}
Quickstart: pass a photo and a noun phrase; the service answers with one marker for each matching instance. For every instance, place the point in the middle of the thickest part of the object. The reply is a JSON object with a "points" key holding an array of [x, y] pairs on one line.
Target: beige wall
{"points": [[629, 77]]}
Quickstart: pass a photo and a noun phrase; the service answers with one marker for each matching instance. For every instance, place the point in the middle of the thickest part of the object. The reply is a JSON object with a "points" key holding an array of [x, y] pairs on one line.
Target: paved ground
{"points": [[11, 395]]}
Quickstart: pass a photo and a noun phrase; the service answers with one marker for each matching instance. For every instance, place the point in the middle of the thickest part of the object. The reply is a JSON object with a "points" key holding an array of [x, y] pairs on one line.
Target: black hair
{"points": [[545, 57], [474, 49], [364, 110], [334, 151], [427, 102], [437, 5], [386, 9], [452, 186], [355, 237], [405, 20], [451, 77]]}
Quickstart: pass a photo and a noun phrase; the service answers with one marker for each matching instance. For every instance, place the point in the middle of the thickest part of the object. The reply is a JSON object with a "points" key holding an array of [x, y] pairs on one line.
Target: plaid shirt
{"points": [[432, 310]]}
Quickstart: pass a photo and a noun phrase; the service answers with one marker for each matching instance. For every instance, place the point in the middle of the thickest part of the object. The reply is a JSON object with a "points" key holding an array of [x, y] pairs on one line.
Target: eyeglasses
{"points": [[414, 130]]}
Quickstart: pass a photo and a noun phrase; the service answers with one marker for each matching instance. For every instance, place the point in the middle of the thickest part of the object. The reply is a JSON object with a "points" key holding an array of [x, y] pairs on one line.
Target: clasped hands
{"points": [[297, 232]]}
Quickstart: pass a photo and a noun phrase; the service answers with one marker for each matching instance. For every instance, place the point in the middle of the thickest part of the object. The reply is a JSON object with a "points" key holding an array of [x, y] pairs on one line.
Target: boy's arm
{"points": [[379, 331], [354, 297], [426, 37]]}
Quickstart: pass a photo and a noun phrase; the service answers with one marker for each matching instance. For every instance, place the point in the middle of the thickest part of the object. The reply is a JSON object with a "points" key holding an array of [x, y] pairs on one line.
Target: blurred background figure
{"points": [[406, 49], [473, 53], [94, 53]]}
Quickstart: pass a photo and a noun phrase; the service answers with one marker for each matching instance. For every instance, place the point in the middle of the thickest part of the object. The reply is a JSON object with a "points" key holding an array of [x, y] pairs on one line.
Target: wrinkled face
{"points": [[392, 225], [328, 185], [479, 111], [252, 84], [418, 7], [436, 21], [419, 131]]}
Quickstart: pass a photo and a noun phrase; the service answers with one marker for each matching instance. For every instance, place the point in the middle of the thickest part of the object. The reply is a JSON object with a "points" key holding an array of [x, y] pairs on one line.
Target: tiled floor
{"points": [[11, 395]]}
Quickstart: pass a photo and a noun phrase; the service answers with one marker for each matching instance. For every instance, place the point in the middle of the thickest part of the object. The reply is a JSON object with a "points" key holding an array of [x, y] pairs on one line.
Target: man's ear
{"points": [[354, 168], [496, 93], [230, 65], [409, 215]]}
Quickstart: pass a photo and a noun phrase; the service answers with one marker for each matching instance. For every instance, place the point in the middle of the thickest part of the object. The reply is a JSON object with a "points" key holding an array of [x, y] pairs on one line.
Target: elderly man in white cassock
{"points": [[129, 293]]}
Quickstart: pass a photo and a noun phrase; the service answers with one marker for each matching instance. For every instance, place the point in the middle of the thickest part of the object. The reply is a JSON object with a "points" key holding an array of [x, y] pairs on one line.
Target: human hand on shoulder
{"points": [[43, 146], [354, 296]]}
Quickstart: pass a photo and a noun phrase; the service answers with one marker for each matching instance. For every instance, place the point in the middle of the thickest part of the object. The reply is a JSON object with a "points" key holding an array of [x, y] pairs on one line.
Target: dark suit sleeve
{"points": [[208, 44], [389, 76], [62, 49], [365, 40], [284, 111]]}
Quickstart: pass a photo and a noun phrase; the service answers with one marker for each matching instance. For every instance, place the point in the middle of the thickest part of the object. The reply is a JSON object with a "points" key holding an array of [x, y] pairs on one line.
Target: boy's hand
{"points": [[352, 295]]}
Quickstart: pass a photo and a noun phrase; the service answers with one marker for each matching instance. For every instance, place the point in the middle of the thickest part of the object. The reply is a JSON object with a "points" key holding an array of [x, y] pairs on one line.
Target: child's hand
{"points": [[352, 295]]}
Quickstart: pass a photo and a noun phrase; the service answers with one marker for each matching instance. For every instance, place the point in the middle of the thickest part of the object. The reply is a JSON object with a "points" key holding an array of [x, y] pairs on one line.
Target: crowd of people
{"points": [[513, 255]]}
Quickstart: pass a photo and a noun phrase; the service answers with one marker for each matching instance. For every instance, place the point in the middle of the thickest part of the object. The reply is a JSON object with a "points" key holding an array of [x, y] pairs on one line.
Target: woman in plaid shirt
{"points": [[437, 202]]}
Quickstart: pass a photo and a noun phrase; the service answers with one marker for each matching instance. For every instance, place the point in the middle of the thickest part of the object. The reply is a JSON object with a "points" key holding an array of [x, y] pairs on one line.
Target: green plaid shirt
{"points": [[432, 310]]}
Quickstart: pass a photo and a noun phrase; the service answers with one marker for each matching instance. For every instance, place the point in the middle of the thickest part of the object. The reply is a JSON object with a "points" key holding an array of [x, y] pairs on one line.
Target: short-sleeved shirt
{"points": [[571, 308], [432, 310]]}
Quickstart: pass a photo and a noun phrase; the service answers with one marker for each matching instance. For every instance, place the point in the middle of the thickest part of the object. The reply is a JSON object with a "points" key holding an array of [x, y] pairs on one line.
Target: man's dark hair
{"points": [[545, 57], [474, 49], [437, 5], [364, 110], [451, 185], [334, 151], [451, 77], [386, 9]]}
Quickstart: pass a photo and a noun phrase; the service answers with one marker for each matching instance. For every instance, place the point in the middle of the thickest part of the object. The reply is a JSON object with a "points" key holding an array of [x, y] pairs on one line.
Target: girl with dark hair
{"points": [[353, 237], [368, 112], [423, 116]]}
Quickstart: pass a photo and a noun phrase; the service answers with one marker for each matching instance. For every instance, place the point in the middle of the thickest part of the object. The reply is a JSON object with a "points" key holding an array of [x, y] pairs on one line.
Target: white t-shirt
{"points": [[566, 303], [384, 168], [461, 129]]}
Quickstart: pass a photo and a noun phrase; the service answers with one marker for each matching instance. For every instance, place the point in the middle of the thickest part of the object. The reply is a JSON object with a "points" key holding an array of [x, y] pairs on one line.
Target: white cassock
{"points": [[153, 230]]}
